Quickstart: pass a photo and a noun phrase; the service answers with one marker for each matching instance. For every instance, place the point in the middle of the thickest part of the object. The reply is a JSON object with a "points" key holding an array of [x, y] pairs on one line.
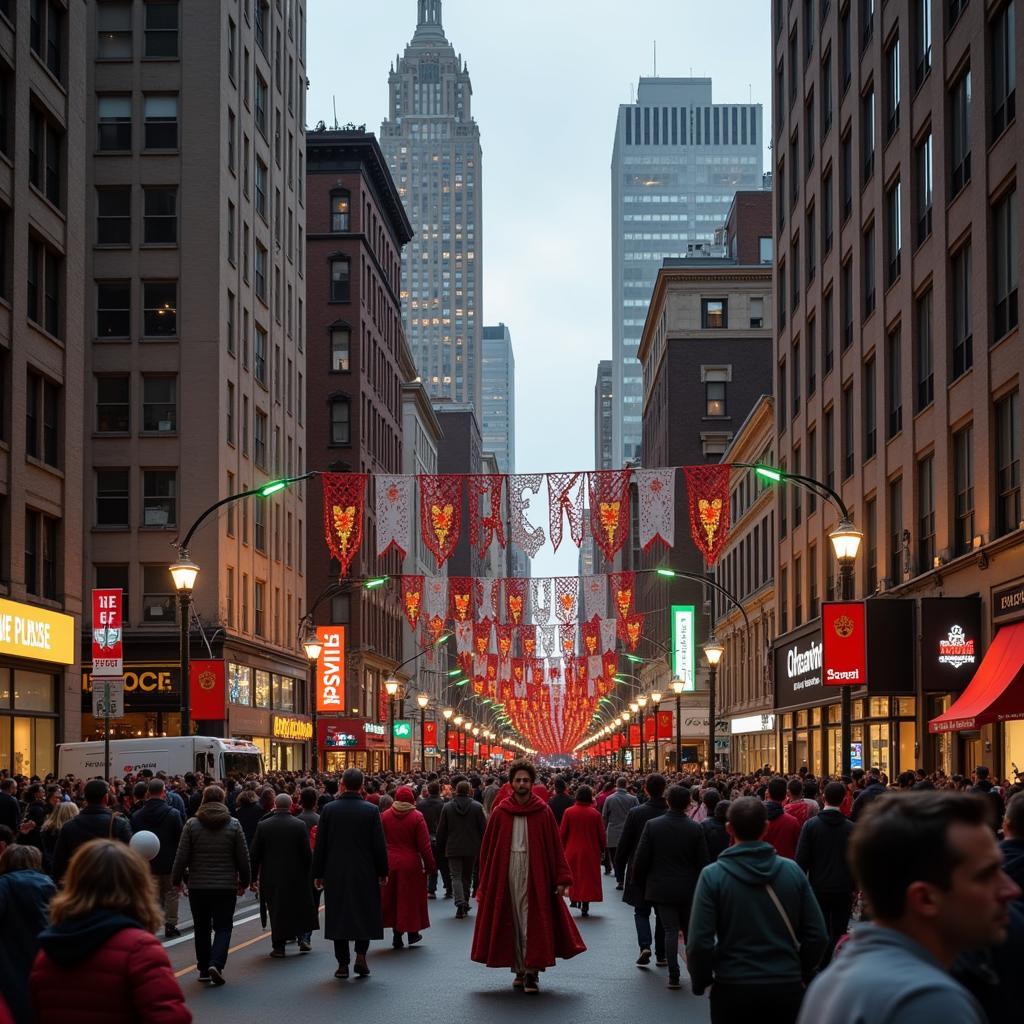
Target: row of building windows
{"points": [[663, 126]]}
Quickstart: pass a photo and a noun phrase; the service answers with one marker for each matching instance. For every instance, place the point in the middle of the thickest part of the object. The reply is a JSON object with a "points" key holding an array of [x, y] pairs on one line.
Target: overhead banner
{"points": [[844, 648], [107, 634], [330, 669], [207, 689], [683, 645]]}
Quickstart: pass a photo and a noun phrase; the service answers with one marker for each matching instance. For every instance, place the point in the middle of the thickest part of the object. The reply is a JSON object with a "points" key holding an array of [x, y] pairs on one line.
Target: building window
{"points": [[924, 357], [113, 309], [781, 409], [714, 313], [112, 502], [1004, 69], [42, 418], [960, 144], [797, 492], [339, 210], [41, 541], [867, 21], [893, 233], [1004, 231], [922, 14], [1007, 415], [925, 514], [45, 141], [794, 368], [258, 625], [830, 448], [871, 539], [160, 309], [261, 105], [963, 486], [114, 216], [868, 271], [867, 142], [259, 346], [892, 88], [781, 296], [46, 32], [230, 402], [963, 354], [783, 600], [261, 188], [827, 344], [260, 440], [847, 425], [846, 158], [812, 356], [844, 46], [114, 124], [43, 279], [115, 577], [114, 31], [161, 29], [341, 429], [161, 122], [160, 226], [158, 597], [798, 601], [714, 398], [230, 595], [260, 272], [340, 272], [260, 525], [261, 10], [896, 531], [870, 410], [159, 497], [925, 187], [893, 383], [341, 338], [159, 404], [113, 404], [757, 312], [846, 301]]}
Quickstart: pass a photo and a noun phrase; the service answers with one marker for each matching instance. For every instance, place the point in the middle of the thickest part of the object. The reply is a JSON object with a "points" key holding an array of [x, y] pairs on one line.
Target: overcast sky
{"points": [[548, 76]]}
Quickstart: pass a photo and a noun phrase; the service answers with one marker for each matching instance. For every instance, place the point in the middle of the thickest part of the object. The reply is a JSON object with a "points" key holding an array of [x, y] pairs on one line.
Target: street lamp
{"points": [[466, 727], [447, 713], [391, 686], [655, 702], [184, 573], [423, 700], [642, 703], [678, 685], [845, 539], [312, 646], [713, 651]]}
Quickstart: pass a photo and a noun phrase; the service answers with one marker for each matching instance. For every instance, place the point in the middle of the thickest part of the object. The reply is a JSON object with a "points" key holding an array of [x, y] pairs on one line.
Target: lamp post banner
{"points": [[107, 634], [330, 669], [844, 646]]}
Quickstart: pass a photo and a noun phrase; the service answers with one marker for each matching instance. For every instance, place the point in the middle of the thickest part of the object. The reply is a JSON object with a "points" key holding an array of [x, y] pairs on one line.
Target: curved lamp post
{"points": [[391, 686], [312, 646], [678, 685], [184, 573], [846, 540], [713, 651]]}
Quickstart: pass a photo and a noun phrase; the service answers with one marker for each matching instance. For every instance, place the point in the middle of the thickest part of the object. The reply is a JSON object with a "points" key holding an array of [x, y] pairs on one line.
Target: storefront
{"points": [[35, 645], [268, 708], [1007, 606], [152, 702], [289, 748], [754, 743], [352, 743]]}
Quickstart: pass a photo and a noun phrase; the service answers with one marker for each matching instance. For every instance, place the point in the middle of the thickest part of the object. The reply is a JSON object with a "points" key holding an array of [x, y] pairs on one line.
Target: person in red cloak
{"points": [[404, 898], [523, 921], [582, 833]]}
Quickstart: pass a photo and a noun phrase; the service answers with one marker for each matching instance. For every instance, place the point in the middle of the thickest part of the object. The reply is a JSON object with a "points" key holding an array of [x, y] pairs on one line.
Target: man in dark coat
{"points": [[281, 861], [10, 810], [459, 834], [669, 858], [561, 800], [156, 815], [430, 806], [350, 863], [95, 821], [633, 894]]}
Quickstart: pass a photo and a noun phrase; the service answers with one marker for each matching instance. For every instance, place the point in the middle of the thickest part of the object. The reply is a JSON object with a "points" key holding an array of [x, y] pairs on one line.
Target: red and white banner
{"points": [[524, 535], [394, 514], [107, 634], [656, 497], [844, 644], [330, 669]]}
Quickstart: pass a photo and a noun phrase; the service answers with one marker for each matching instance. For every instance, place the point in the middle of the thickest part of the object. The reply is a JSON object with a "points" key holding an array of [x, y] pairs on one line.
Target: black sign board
{"points": [[950, 642], [798, 669], [890, 640], [147, 687], [1008, 603]]}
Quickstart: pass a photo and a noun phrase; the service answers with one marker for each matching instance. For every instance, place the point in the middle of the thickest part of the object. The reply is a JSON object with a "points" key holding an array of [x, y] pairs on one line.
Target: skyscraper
{"points": [[604, 402], [677, 161], [432, 145], [498, 406]]}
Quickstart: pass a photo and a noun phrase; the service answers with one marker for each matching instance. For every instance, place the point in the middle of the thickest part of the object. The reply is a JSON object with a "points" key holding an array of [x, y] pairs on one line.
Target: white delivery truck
{"points": [[175, 755]]}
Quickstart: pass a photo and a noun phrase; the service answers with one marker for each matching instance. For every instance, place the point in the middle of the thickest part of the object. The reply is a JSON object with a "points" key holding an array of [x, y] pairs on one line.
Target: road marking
{"points": [[188, 938]]}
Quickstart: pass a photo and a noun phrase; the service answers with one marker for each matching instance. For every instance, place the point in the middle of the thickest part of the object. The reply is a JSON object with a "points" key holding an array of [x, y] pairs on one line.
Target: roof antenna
{"points": [[631, 99], [655, 58], [334, 103]]}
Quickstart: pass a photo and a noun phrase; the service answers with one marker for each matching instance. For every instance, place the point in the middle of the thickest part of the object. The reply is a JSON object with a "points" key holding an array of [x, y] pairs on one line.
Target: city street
{"points": [[435, 981]]}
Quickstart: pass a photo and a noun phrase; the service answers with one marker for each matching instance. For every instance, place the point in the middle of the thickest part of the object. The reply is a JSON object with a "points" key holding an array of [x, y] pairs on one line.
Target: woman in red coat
{"points": [[99, 962], [582, 832], [404, 898]]}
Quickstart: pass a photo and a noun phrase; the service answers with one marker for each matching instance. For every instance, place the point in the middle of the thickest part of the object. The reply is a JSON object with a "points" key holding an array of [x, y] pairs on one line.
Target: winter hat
{"points": [[405, 795]]}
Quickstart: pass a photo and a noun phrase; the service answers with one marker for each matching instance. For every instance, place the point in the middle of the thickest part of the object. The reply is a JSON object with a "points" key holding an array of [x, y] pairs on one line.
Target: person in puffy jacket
{"points": [[460, 831], [99, 962]]}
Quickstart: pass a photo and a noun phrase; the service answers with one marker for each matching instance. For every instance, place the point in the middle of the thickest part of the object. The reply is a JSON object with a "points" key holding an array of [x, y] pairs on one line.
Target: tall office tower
{"points": [[42, 241], [196, 363], [603, 412], [498, 405], [678, 160], [432, 145]]}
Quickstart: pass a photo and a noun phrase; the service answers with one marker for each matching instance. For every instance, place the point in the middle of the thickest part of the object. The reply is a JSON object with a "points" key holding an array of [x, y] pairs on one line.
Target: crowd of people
{"points": [[822, 901]]}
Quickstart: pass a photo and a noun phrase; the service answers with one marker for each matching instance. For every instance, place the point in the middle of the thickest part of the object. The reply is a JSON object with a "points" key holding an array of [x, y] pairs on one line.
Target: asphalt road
{"points": [[435, 982]]}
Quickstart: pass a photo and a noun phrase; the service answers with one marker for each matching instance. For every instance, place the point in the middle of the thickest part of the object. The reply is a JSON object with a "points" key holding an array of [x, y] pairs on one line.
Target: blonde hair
{"points": [[108, 875], [62, 813]]}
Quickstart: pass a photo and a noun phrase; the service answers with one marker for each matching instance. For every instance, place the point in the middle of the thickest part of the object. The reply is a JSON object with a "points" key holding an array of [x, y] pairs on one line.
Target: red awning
{"points": [[996, 693]]}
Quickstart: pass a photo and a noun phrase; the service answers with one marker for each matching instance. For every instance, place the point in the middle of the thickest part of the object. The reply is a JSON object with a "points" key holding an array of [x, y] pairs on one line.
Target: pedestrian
{"points": [[561, 799], [931, 873], [49, 833], [460, 832], [821, 852], [10, 809], [983, 785], [213, 861], [523, 921], [871, 790], [248, 811], [714, 829], [491, 789], [99, 962], [583, 838], [756, 934], [669, 858], [95, 821], [795, 804], [311, 819], [281, 861], [633, 894], [350, 864], [25, 894], [613, 813], [783, 829], [1012, 845], [156, 815], [404, 899], [430, 806]]}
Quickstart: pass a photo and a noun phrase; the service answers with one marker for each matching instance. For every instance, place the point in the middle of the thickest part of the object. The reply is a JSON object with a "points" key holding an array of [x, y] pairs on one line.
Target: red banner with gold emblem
{"points": [[609, 509], [707, 489], [441, 514], [344, 511], [412, 598]]}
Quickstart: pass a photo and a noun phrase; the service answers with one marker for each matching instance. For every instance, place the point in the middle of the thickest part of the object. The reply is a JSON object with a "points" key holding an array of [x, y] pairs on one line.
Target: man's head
{"points": [[7, 786], [835, 794], [1013, 823], [139, 791], [747, 819], [710, 799], [560, 786], [464, 788], [267, 795], [777, 788], [521, 776], [929, 865], [283, 802], [981, 773], [678, 798], [434, 788], [655, 785], [795, 789], [352, 780], [156, 790], [620, 782], [307, 798], [95, 792], [6, 837]]}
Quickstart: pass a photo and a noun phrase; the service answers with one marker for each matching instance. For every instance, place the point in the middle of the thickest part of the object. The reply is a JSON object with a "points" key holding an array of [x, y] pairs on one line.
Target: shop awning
{"points": [[996, 693]]}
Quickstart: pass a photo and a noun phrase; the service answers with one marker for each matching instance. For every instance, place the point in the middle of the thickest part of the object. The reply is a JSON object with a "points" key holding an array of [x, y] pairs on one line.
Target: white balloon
{"points": [[146, 844]]}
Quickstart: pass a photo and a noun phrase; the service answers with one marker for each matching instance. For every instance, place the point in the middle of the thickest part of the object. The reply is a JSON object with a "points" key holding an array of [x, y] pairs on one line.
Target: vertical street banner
{"points": [[430, 734], [206, 680], [107, 634], [664, 725], [330, 669], [683, 645], [844, 645]]}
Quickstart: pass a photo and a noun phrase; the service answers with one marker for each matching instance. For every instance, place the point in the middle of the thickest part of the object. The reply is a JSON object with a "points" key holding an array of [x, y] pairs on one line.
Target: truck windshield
{"points": [[238, 766]]}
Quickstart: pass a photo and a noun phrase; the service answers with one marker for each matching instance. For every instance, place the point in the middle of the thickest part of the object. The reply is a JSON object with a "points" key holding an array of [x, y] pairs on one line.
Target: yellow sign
{"points": [[37, 633], [290, 728]]}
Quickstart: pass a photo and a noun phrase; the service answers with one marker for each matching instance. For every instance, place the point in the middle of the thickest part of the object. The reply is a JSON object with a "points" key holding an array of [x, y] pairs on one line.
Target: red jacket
{"points": [[783, 831], [582, 832], [404, 899], [127, 980]]}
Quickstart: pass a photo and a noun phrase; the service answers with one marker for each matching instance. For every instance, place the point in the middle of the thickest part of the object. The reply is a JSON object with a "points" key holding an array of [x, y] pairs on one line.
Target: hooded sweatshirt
{"points": [[737, 934], [77, 938], [212, 851], [783, 829], [461, 828]]}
